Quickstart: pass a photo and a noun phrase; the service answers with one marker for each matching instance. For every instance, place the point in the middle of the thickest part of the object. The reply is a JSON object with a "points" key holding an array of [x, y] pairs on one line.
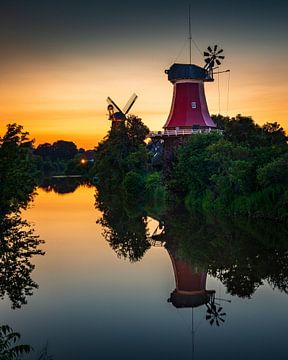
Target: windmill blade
{"points": [[129, 104], [212, 57], [111, 102], [223, 320], [208, 317], [217, 322], [209, 310], [211, 321], [220, 309]]}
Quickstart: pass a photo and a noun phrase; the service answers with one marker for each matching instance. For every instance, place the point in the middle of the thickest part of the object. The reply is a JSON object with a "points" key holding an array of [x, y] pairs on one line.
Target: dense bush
{"points": [[245, 171]]}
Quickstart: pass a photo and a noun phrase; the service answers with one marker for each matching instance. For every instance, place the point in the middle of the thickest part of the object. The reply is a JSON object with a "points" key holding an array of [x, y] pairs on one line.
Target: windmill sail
{"points": [[111, 102], [129, 104]]}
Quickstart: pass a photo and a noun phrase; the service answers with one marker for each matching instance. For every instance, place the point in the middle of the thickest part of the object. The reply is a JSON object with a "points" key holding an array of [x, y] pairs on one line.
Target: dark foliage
{"points": [[18, 175], [63, 157], [59, 150], [62, 185], [242, 172], [242, 254], [18, 245], [122, 150], [124, 226], [9, 349]]}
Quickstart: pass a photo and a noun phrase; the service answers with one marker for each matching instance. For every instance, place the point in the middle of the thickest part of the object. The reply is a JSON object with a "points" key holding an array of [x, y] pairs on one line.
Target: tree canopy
{"points": [[242, 172], [18, 175], [121, 151]]}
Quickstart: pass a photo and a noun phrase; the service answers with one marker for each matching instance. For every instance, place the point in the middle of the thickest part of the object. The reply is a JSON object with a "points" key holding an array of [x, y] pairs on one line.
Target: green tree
{"points": [[243, 130], [274, 172], [192, 168], [122, 150], [243, 172], [133, 185], [18, 175]]}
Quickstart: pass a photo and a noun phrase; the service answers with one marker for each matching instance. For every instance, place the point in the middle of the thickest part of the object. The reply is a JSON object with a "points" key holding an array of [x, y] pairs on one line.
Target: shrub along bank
{"points": [[243, 172]]}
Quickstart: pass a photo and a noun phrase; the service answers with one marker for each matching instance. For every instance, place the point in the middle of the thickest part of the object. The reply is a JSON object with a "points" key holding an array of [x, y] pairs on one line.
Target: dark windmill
{"points": [[118, 116], [213, 57]]}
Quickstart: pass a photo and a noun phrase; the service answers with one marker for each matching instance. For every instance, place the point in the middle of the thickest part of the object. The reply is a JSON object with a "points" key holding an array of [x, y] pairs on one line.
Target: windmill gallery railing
{"points": [[182, 132]]}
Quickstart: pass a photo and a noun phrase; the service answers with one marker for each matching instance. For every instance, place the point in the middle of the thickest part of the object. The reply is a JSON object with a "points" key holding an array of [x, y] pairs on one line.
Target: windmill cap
{"points": [[190, 300], [187, 71]]}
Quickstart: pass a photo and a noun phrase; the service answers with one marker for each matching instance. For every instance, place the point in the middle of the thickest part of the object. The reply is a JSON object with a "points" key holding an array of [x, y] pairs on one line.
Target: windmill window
{"points": [[194, 105]]}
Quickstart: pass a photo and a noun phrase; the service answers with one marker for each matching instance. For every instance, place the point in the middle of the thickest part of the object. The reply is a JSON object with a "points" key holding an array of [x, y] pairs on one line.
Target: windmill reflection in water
{"points": [[190, 291]]}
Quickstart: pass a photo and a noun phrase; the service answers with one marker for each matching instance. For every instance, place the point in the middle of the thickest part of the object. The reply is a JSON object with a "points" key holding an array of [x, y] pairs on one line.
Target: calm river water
{"points": [[103, 299]]}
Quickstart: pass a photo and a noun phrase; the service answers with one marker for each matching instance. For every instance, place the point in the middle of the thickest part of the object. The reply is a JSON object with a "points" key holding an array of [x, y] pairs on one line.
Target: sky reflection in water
{"points": [[92, 304]]}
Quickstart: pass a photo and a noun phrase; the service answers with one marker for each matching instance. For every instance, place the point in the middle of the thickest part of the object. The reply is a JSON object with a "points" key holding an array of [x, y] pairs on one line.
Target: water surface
{"points": [[93, 303]]}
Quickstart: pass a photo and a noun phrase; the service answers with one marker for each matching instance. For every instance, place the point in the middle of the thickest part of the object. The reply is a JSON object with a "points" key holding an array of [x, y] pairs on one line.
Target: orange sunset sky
{"points": [[58, 67]]}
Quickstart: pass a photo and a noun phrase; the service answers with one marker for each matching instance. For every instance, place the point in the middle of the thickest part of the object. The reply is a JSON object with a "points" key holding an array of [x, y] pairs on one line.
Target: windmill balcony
{"points": [[182, 132]]}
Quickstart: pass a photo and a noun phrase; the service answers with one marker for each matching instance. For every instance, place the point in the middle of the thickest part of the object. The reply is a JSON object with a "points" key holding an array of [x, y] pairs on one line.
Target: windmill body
{"points": [[189, 112], [190, 284], [189, 109]]}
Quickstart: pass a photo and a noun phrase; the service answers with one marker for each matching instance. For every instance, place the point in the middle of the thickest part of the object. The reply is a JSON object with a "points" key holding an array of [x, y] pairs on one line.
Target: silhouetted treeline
{"points": [[63, 185], [63, 158]]}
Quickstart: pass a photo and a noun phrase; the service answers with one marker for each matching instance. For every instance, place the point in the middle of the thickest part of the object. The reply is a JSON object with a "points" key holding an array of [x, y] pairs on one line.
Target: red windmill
{"points": [[189, 111]]}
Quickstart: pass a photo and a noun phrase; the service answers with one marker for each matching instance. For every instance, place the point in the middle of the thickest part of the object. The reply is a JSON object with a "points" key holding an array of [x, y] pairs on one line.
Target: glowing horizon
{"points": [[57, 85]]}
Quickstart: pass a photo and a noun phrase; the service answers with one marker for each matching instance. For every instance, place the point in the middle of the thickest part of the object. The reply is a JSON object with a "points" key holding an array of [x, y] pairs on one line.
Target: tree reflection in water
{"points": [[242, 254], [125, 226], [18, 244], [62, 184]]}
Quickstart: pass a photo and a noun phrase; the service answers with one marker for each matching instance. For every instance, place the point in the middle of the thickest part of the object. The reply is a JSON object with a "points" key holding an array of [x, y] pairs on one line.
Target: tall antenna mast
{"points": [[190, 36]]}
